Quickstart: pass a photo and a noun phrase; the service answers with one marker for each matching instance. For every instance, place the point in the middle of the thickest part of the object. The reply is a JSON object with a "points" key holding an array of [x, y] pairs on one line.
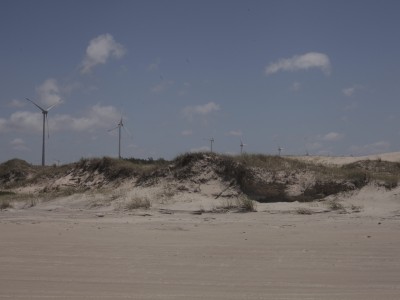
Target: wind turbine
{"points": [[211, 144], [241, 146], [280, 150], [44, 112], [119, 126]]}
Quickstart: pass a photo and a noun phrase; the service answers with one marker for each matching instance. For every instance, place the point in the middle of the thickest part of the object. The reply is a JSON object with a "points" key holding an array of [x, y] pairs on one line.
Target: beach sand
{"points": [[149, 255]]}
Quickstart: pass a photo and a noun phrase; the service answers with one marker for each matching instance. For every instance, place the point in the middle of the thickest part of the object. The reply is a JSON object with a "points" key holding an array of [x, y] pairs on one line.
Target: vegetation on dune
{"points": [[259, 177]]}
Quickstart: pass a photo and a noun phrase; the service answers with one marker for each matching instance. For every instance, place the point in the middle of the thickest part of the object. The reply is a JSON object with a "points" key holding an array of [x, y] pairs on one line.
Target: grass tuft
{"points": [[240, 204], [336, 206], [136, 203], [304, 211], [4, 204]]}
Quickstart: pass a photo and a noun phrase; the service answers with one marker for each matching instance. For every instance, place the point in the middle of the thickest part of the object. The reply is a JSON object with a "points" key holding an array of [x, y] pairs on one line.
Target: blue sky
{"points": [[321, 77]]}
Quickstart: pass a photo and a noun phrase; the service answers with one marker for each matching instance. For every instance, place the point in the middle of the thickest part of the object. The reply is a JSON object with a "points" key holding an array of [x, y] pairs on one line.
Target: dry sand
{"points": [[62, 249], [271, 254]]}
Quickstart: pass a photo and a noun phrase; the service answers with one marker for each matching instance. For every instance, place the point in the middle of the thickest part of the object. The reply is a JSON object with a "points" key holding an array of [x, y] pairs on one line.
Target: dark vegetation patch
{"points": [[14, 171], [6, 193]]}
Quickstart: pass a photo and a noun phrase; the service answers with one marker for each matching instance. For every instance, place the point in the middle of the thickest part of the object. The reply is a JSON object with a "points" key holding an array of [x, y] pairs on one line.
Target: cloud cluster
{"points": [[97, 117], [187, 132], [332, 137], [200, 110], [49, 92], [162, 86], [154, 66], [235, 133], [301, 62], [101, 49], [351, 90]]}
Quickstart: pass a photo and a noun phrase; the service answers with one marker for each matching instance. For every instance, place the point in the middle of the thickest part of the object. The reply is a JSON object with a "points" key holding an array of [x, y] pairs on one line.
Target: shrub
{"points": [[240, 204], [335, 205], [136, 203], [4, 204], [304, 211]]}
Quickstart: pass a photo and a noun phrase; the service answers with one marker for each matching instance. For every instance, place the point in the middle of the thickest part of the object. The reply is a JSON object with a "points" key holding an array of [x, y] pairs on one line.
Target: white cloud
{"points": [[49, 92], [186, 132], [351, 90], [25, 121], [19, 144], [155, 65], [374, 148], [101, 49], [301, 62], [332, 137], [162, 86], [191, 111], [235, 133], [98, 117]]}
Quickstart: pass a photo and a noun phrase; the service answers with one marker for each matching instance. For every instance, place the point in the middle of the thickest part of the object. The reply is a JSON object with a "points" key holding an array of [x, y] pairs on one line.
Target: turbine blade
{"points": [[51, 106], [42, 109], [128, 132], [112, 128]]}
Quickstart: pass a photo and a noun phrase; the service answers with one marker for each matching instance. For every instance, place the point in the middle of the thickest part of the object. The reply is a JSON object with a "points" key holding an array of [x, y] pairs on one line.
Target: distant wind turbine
{"points": [[119, 126], [241, 146], [45, 119], [211, 144], [280, 150]]}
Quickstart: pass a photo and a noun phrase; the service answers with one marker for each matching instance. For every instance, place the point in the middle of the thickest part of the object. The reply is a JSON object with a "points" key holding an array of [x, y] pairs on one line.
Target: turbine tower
{"points": [[211, 144], [44, 112], [119, 126]]}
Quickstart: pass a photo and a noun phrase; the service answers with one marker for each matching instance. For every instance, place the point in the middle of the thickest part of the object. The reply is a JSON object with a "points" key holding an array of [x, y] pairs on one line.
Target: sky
{"points": [[312, 77]]}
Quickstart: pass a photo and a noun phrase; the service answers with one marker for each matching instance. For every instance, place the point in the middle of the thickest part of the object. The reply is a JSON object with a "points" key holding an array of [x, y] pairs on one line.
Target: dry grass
{"points": [[304, 211], [5, 203], [138, 203], [336, 206], [240, 204], [31, 202]]}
